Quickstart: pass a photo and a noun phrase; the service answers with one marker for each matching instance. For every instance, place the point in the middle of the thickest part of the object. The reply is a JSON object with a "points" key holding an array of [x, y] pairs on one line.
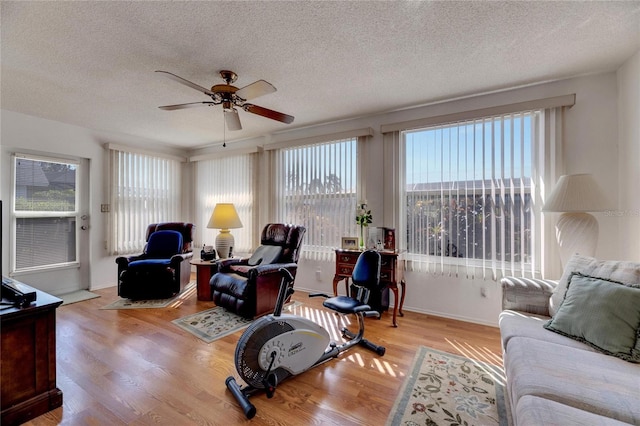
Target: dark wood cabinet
{"points": [[28, 360], [391, 274]]}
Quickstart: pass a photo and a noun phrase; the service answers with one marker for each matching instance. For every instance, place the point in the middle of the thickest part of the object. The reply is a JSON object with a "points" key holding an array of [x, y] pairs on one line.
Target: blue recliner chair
{"points": [[161, 271]]}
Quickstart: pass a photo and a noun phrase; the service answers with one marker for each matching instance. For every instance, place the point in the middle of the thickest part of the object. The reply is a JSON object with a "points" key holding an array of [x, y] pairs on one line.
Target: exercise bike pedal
{"points": [[270, 383], [380, 350]]}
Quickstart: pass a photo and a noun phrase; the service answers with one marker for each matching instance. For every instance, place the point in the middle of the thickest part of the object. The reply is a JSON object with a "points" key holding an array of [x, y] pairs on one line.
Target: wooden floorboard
{"points": [[134, 367]]}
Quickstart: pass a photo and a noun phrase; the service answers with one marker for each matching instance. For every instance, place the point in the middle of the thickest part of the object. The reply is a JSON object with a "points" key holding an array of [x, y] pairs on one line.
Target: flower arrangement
{"points": [[363, 218]]}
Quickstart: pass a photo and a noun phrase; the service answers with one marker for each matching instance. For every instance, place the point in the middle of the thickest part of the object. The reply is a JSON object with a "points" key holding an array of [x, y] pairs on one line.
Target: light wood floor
{"points": [[134, 367]]}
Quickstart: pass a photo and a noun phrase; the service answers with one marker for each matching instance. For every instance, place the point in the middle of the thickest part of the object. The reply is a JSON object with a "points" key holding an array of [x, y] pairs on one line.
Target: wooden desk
{"points": [[391, 274], [204, 271], [28, 360]]}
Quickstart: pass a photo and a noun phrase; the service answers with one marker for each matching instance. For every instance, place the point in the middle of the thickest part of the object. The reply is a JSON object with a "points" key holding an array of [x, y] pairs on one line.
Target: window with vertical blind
{"points": [[229, 179], [468, 194], [317, 188], [144, 189], [45, 209]]}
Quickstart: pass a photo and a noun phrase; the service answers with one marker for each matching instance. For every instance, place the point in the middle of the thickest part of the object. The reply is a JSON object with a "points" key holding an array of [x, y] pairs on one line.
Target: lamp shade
{"points": [[575, 193], [224, 216]]}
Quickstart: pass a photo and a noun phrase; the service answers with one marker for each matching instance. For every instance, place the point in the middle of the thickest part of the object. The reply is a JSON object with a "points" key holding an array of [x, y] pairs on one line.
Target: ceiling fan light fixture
{"points": [[230, 97]]}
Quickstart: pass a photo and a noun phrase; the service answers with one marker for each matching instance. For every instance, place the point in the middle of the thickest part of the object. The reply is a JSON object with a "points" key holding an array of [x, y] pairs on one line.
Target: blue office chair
{"points": [[365, 279]]}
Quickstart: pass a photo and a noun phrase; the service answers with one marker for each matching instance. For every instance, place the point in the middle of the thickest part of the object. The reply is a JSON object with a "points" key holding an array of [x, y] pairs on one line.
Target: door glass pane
{"points": [[45, 212], [45, 186], [45, 241]]}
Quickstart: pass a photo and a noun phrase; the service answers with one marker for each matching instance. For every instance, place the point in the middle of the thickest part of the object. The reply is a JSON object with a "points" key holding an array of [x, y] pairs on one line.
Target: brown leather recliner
{"points": [[163, 269], [249, 286]]}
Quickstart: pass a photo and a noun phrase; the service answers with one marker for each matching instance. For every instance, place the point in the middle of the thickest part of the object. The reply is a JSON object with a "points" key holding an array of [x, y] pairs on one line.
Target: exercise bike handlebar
{"points": [[286, 290]]}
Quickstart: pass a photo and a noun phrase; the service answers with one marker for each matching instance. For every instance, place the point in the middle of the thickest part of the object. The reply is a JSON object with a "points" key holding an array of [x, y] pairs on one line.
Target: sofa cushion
{"points": [[523, 324], [585, 380], [624, 272], [535, 411], [602, 313], [150, 263]]}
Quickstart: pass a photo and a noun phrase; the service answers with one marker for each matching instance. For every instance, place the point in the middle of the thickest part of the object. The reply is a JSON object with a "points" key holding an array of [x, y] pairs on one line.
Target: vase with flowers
{"points": [[363, 218]]}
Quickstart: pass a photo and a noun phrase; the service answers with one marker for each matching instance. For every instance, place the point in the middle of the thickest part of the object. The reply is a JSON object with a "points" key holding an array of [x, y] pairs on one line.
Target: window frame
{"points": [[15, 215], [355, 191], [493, 178], [172, 201]]}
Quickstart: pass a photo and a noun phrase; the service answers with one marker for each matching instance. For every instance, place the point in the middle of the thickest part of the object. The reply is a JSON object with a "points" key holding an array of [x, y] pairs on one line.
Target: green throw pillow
{"points": [[602, 313]]}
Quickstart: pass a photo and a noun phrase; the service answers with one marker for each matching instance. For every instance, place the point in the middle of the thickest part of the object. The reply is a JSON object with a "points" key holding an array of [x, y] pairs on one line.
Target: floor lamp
{"points": [[224, 217], [577, 231]]}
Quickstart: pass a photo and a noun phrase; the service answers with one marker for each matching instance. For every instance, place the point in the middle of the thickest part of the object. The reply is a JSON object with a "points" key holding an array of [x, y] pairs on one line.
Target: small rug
{"points": [[217, 322], [446, 389], [188, 291], [77, 296]]}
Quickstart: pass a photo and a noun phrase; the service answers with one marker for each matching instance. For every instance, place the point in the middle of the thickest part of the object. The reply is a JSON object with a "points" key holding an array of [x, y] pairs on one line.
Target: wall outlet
{"points": [[484, 291], [319, 275], [105, 208]]}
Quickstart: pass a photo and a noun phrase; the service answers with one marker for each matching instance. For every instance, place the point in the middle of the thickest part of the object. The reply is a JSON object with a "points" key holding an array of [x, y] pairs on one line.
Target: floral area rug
{"points": [[217, 322], [446, 389], [188, 291]]}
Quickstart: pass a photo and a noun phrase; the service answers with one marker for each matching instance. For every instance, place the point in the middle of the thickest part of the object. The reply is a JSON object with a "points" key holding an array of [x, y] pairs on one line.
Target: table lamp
{"points": [[576, 230], [224, 217]]}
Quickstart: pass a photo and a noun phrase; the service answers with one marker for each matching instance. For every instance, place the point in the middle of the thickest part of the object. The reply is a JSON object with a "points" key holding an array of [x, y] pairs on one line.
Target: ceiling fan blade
{"points": [[183, 106], [258, 88], [232, 119], [188, 83], [269, 113]]}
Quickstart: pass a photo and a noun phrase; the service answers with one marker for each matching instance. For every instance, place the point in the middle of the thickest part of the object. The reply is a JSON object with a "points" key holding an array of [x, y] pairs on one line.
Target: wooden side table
{"points": [[391, 274], [204, 271]]}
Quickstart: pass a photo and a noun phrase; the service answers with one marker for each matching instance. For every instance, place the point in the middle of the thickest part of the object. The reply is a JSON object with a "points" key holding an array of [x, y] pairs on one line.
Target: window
{"points": [[145, 189], [45, 211], [468, 193], [316, 187], [227, 180]]}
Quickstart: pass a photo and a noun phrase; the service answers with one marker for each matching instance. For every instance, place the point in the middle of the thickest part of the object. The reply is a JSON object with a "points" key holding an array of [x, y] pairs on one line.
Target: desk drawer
{"points": [[347, 258], [343, 269]]}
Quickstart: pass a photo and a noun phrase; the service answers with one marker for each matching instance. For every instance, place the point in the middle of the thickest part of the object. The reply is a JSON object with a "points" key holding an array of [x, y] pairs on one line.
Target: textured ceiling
{"points": [[92, 64]]}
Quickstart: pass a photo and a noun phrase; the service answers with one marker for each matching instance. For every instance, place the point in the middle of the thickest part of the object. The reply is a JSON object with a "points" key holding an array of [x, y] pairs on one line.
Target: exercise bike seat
{"points": [[346, 305]]}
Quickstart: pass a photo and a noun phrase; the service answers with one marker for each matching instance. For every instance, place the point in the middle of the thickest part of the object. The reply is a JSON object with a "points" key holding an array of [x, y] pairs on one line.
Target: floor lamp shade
{"points": [[577, 231], [224, 217]]}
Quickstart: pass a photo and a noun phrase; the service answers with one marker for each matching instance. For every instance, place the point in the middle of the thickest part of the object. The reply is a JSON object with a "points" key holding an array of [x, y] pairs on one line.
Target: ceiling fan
{"points": [[231, 97]]}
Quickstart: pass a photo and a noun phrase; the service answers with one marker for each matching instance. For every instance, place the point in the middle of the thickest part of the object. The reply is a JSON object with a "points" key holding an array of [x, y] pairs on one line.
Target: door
{"points": [[49, 223]]}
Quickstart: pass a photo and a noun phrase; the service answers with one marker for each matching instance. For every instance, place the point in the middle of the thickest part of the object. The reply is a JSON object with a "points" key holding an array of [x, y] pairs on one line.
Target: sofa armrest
{"points": [[527, 294], [177, 259], [274, 268]]}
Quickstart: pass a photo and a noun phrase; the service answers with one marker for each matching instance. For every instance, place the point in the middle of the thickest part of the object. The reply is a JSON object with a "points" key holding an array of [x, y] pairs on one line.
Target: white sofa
{"points": [[568, 376]]}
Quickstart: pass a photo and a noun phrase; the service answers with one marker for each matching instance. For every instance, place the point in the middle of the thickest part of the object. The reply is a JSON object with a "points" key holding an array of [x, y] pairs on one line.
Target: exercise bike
{"points": [[278, 346]]}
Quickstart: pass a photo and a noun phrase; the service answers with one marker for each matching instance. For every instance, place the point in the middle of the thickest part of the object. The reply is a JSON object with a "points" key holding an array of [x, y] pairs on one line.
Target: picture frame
{"points": [[389, 239], [350, 243], [375, 238]]}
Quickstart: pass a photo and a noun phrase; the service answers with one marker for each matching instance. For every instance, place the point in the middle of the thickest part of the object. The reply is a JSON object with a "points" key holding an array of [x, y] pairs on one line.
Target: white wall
{"points": [[591, 145], [27, 134], [628, 210]]}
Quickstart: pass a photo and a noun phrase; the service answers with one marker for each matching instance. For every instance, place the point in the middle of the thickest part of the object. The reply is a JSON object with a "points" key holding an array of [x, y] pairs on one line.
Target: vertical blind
{"points": [[227, 180], [316, 188], [468, 196], [144, 189]]}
